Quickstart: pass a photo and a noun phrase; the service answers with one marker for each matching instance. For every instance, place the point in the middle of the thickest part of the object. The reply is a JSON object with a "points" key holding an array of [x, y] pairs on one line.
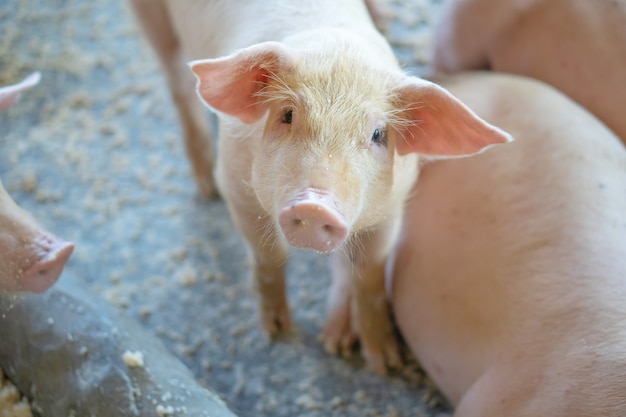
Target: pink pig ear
{"points": [[230, 84], [438, 124], [10, 93]]}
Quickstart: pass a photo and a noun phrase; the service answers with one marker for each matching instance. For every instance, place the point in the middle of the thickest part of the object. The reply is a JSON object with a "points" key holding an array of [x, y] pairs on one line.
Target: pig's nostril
{"points": [[328, 228]]}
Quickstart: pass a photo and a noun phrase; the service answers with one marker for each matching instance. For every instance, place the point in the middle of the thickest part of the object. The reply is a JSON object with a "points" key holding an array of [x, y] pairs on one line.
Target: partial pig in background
{"points": [[31, 258], [529, 320], [577, 46], [511, 290], [319, 136]]}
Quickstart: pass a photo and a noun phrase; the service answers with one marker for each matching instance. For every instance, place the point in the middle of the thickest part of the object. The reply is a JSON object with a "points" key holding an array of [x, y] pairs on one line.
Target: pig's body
{"points": [[578, 46], [318, 134], [511, 290], [31, 259]]}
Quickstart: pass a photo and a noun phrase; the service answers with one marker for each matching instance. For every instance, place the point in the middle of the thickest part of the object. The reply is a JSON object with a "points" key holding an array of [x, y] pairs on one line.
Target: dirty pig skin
{"points": [[320, 136], [577, 46], [511, 290], [31, 258]]}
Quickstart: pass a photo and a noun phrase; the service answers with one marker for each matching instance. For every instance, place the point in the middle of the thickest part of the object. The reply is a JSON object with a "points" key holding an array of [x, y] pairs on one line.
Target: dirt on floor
{"points": [[94, 153]]}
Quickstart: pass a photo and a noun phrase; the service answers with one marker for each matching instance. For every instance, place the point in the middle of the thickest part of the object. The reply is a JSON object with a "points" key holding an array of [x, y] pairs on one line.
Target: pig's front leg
{"points": [[358, 306], [267, 255], [268, 269]]}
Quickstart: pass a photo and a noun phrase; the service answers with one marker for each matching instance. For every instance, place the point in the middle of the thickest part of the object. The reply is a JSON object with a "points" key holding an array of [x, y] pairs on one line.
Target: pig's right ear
{"points": [[231, 84]]}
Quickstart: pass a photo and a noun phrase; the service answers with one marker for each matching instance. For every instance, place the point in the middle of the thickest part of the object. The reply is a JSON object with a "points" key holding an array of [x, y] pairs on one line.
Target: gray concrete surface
{"points": [[107, 364], [94, 154]]}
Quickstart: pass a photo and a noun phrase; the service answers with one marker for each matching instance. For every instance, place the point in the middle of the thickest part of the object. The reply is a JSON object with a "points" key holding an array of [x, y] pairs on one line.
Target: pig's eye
{"points": [[288, 116], [379, 137]]}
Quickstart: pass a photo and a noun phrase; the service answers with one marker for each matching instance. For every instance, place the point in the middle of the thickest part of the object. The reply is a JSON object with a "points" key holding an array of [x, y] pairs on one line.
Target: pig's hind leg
{"points": [[155, 21]]}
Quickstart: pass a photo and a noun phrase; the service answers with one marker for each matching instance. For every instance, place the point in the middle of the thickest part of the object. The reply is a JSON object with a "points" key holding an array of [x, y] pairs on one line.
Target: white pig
{"points": [[319, 136], [511, 290], [31, 259], [578, 46]]}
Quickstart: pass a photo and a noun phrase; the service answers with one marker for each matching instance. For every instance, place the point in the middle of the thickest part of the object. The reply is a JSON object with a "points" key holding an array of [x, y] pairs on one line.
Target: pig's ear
{"points": [[436, 123], [231, 84], [10, 93]]}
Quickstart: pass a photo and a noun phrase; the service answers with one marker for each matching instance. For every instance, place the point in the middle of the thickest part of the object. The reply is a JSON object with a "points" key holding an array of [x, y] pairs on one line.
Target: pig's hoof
{"points": [[207, 188], [275, 321], [342, 346], [338, 338], [382, 354]]}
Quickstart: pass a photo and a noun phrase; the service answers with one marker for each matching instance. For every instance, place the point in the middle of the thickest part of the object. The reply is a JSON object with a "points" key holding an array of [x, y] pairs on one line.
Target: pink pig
{"points": [[31, 259], [511, 290], [319, 137], [577, 46]]}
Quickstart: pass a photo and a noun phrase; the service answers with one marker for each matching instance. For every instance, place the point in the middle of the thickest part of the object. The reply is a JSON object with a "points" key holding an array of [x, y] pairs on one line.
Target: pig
{"points": [[511, 289], [577, 46], [31, 258], [319, 137]]}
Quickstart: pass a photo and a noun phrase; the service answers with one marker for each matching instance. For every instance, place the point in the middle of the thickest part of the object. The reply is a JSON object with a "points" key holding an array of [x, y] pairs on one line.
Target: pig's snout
{"points": [[53, 254], [311, 221]]}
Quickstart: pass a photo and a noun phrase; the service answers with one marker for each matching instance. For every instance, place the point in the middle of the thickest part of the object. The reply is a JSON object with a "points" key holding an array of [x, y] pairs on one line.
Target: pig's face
{"points": [[326, 142], [336, 131]]}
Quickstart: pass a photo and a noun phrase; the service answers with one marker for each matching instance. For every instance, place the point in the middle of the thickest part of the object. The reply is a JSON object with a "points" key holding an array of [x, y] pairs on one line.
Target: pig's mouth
{"points": [[311, 220]]}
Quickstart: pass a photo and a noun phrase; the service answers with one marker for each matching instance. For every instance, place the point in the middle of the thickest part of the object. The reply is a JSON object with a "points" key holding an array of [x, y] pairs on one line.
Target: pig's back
{"points": [[578, 46], [213, 28]]}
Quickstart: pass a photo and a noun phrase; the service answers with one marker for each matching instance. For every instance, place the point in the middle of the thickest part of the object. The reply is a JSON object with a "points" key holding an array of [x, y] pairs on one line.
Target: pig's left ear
{"points": [[436, 123], [231, 84]]}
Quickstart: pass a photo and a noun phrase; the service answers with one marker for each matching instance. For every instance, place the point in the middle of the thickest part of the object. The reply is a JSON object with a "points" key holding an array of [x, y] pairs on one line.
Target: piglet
{"points": [[577, 46], [511, 289], [319, 137], [31, 259]]}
